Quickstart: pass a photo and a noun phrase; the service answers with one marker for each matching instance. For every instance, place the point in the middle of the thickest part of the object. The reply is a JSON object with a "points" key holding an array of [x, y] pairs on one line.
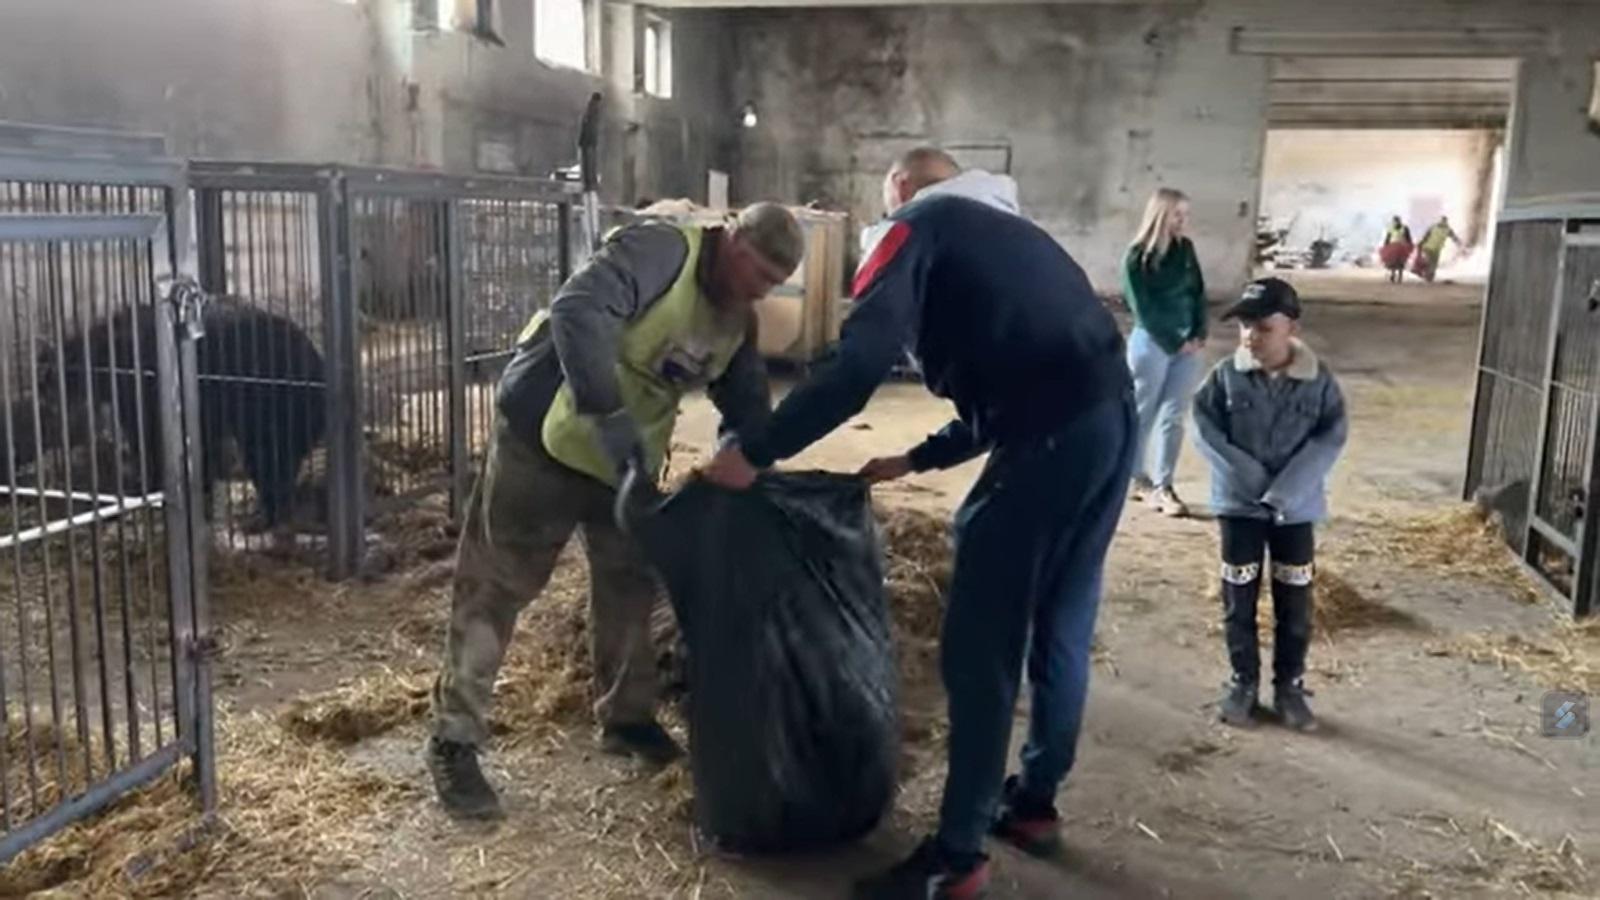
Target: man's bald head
{"points": [[913, 171]]}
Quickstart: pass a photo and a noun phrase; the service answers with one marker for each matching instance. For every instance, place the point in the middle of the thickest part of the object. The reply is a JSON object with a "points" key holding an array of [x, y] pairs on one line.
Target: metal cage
{"points": [[401, 295], [1535, 442], [104, 683]]}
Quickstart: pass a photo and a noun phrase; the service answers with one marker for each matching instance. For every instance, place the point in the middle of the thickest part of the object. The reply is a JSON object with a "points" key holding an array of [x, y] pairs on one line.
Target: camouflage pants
{"points": [[523, 509]]}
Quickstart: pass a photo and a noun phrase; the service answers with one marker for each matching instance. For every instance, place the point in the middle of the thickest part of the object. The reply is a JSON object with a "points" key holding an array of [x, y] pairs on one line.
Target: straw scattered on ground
{"points": [[289, 814], [298, 806], [1488, 854], [1566, 656]]}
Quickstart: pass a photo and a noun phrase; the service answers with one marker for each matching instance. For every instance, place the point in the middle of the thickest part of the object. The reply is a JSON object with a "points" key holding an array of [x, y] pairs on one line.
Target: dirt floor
{"points": [[1428, 779]]}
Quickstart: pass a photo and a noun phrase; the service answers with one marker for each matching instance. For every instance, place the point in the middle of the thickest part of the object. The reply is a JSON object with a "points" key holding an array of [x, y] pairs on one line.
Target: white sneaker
{"points": [[1165, 501], [1141, 488]]}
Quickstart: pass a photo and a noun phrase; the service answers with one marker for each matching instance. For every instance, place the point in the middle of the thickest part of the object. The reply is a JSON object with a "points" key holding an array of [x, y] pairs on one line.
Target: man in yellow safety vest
{"points": [[662, 309]]}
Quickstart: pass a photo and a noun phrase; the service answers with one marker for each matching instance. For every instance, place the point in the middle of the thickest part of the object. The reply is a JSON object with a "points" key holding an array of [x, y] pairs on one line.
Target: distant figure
{"points": [[1167, 296], [1396, 249], [1432, 247]]}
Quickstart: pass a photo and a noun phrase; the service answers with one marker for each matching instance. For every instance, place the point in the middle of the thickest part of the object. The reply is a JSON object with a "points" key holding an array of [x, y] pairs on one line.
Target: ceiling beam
{"points": [[1382, 68], [1391, 92], [1252, 41], [831, 4], [1387, 116]]}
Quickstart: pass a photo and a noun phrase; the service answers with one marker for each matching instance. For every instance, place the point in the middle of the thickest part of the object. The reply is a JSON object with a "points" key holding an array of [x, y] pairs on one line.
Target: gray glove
{"points": [[619, 438]]}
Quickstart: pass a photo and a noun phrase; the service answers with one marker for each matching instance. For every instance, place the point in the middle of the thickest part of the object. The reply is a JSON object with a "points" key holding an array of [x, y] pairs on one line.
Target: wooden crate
{"points": [[800, 320]]}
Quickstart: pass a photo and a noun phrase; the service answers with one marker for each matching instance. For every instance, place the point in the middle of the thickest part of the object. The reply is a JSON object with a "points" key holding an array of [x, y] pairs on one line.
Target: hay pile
{"points": [[296, 808], [1566, 657], [357, 710], [919, 562], [287, 811], [44, 740], [544, 685], [1337, 606], [1460, 541]]}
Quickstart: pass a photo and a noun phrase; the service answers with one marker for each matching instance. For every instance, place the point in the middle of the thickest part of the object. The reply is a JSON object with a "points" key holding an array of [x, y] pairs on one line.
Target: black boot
{"points": [[1238, 706], [647, 741], [462, 789], [1289, 701]]}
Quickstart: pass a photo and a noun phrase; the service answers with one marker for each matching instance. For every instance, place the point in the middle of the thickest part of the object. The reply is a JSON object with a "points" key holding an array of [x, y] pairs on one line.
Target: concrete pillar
{"points": [[1204, 133], [1553, 146]]}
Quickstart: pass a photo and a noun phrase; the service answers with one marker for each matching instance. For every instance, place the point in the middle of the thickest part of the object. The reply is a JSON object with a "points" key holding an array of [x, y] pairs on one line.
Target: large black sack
{"points": [[792, 717]]}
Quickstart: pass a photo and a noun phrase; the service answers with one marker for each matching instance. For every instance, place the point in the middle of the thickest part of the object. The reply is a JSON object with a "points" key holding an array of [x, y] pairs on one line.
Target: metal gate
{"points": [[1535, 452], [411, 287], [103, 679]]}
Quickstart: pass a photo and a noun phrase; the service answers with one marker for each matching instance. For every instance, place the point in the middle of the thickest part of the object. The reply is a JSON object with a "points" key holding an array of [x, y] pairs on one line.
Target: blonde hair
{"points": [[1154, 237]]}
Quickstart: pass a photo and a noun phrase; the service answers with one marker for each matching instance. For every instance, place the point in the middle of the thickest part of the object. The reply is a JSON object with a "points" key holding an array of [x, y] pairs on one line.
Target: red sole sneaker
{"points": [[1035, 837], [971, 886]]}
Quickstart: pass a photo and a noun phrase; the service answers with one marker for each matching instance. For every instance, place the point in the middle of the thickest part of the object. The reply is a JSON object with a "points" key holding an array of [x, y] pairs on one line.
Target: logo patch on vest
{"points": [[685, 365]]}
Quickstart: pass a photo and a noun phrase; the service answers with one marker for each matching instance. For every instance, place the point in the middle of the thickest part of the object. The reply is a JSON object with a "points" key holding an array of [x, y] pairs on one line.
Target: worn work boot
{"points": [[647, 741], [1032, 826], [1165, 501], [1289, 701], [1238, 706], [928, 874], [462, 789]]}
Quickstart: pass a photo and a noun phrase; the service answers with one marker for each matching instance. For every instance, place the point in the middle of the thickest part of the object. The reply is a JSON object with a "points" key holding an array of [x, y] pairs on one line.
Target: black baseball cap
{"points": [[1262, 298]]}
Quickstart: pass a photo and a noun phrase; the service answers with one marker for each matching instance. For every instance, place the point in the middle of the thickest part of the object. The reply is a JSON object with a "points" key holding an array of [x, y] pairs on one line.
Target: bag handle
{"points": [[638, 499]]}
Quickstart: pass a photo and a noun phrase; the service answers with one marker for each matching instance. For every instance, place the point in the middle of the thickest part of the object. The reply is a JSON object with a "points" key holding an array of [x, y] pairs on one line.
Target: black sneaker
{"points": [[1238, 706], [1289, 701], [1029, 825], [647, 741], [462, 789], [928, 874]]}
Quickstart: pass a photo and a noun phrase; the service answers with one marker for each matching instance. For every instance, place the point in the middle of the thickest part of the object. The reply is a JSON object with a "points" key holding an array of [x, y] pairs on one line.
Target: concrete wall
{"points": [[1345, 185], [1099, 105], [1554, 147], [1102, 103], [349, 81], [290, 79], [476, 94]]}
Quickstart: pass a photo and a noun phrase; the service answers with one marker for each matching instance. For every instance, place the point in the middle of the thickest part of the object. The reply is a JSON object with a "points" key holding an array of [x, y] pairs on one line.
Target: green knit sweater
{"points": [[1168, 297]]}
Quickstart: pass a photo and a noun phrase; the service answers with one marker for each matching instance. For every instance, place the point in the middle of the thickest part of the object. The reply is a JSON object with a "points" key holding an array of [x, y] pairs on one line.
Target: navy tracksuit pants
{"points": [[1031, 541]]}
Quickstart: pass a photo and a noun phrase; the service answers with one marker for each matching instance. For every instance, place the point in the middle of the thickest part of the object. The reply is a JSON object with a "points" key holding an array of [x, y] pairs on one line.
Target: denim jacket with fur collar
{"points": [[1270, 440]]}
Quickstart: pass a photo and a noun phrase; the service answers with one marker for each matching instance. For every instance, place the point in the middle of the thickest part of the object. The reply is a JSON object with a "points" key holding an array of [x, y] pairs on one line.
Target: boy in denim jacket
{"points": [[1271, 422]]}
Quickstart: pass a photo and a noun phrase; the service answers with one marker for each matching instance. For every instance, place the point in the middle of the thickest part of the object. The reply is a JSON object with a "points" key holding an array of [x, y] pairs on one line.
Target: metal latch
{"points": [[204, 648], [185, 293]]}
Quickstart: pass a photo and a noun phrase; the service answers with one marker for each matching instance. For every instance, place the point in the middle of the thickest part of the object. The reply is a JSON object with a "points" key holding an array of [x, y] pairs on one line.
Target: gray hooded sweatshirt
{"points": [[998, 191]]}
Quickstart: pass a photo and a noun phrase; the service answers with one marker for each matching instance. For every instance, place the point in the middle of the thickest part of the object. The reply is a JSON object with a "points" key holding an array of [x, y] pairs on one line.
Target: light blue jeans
{"points": [[1163, 384]]}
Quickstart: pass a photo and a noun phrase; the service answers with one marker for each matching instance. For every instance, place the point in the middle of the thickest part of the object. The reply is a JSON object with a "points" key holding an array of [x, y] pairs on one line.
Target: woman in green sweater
{"points": [[1161, 280]]}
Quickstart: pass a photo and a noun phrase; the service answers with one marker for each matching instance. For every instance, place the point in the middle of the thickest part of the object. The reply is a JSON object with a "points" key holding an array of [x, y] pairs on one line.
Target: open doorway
{"points": [[1354, 144]]}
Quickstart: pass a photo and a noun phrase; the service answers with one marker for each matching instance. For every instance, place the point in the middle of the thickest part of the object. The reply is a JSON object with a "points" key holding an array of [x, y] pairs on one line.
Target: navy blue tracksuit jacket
{"points": [[1005, 325], [1003, 321]]}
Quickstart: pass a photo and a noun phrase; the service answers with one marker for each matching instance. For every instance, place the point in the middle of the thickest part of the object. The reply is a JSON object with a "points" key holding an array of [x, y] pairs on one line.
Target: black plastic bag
{"points": [[792, 717]]}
